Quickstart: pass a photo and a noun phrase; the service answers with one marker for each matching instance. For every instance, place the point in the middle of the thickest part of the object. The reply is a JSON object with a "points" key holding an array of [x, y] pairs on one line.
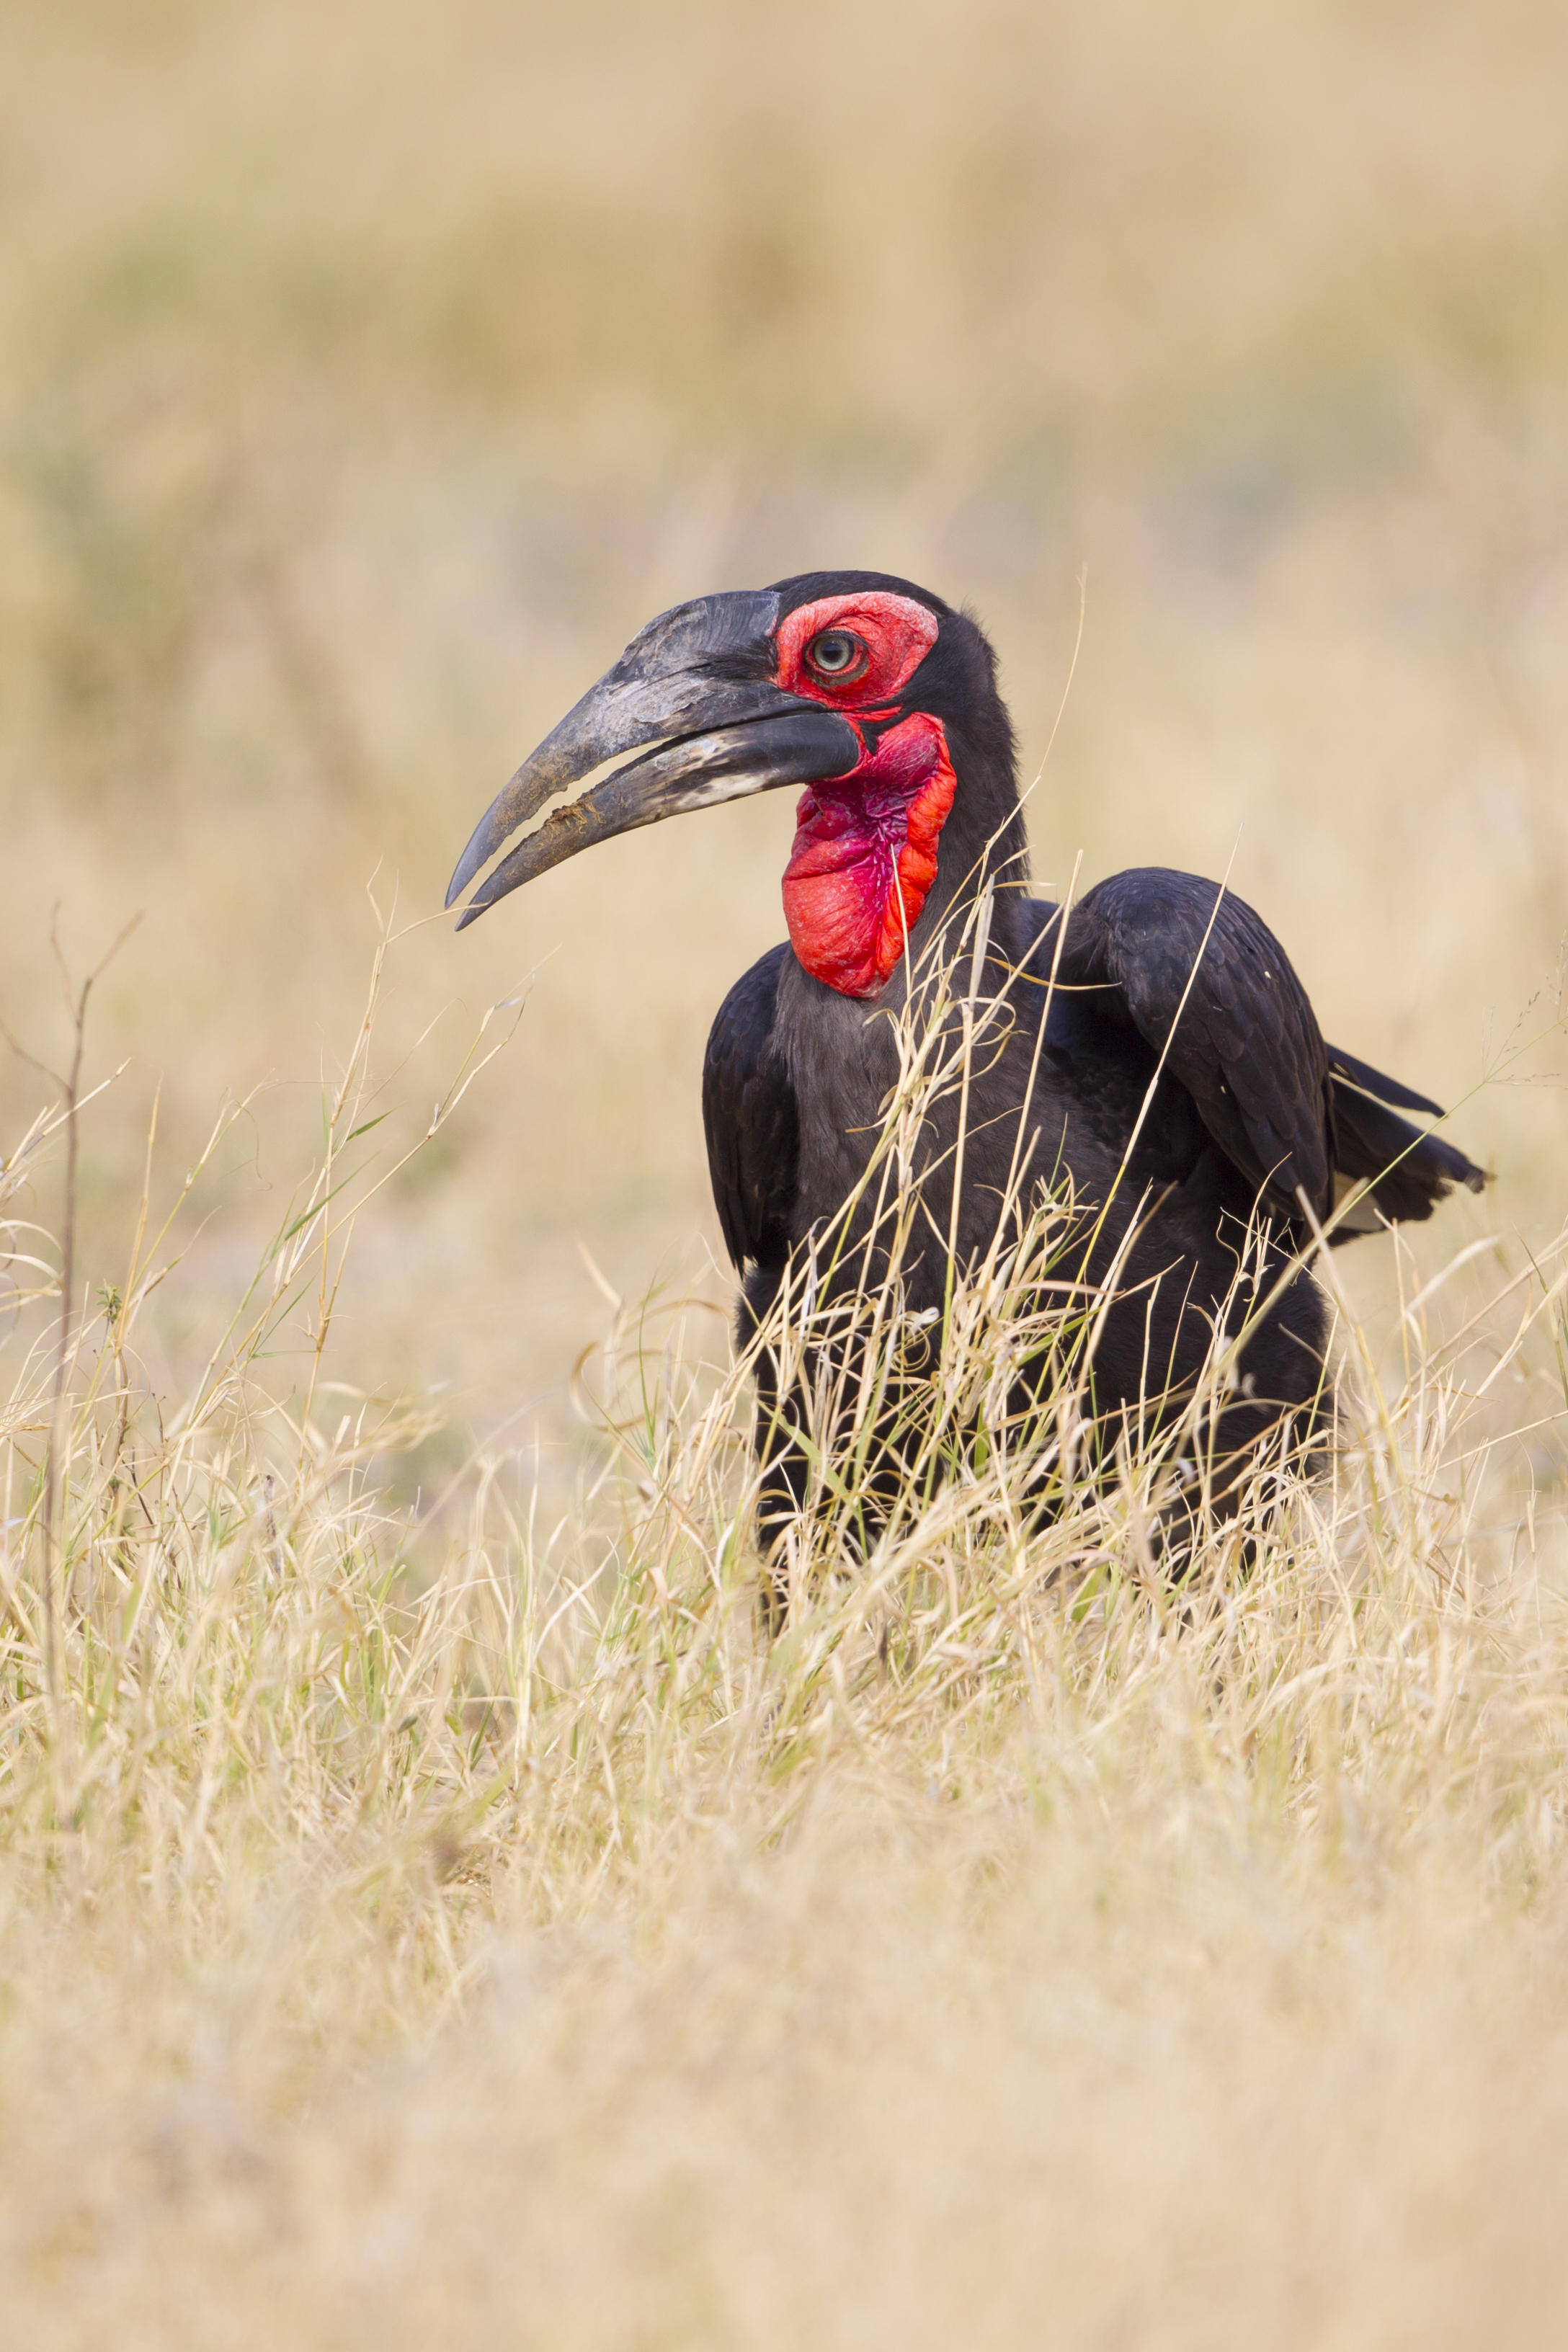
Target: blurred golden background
{"points": [[368, 375], [499, 1941]]}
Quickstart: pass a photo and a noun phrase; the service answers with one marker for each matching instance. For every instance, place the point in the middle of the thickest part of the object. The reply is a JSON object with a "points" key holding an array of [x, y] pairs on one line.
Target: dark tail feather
{"points": [[1410, 1170]]}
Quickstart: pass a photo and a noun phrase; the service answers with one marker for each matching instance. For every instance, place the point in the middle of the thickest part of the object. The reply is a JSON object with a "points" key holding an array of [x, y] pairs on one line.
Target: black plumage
{"points": [[1181, 1086]]}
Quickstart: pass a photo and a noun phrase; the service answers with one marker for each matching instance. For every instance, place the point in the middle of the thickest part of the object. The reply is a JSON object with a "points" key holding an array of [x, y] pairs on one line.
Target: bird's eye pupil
{"points": [[834, 652]]}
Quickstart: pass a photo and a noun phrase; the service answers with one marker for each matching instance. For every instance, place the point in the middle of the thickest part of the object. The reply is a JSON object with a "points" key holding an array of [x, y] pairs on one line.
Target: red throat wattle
{"points": [[865, 857]]}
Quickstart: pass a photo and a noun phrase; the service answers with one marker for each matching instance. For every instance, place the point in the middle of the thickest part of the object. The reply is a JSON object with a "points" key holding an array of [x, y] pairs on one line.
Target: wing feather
{"points": [[1205, 981], [751, 1119]]}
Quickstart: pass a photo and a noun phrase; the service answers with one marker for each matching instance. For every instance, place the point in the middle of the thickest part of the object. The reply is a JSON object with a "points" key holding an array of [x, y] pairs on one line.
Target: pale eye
{"points": [[835, 655]]}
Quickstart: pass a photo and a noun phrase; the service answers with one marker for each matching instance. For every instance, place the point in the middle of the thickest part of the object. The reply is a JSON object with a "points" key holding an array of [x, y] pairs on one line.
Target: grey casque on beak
{"points": [[734, 735]]}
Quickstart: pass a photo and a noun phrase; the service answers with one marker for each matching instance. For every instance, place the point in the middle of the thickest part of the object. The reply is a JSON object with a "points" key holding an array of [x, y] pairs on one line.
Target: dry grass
{"points": [[427, 1910], [430, 1921]]}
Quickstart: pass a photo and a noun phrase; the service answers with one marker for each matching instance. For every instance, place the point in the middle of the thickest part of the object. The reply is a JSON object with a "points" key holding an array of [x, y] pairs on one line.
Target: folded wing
{"points": [[1205, 981], [752, 1121]]}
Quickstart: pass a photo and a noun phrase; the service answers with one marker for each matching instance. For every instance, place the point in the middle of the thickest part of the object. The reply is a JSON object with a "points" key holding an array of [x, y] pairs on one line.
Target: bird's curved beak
{"points": [[695, 682]]}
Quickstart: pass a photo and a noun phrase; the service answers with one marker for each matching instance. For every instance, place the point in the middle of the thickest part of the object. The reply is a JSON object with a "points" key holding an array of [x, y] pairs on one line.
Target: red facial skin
{"points": [[897, 635], [866, 844]]}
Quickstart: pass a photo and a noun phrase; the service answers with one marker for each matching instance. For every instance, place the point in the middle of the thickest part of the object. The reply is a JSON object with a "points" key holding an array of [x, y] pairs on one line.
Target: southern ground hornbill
{"points": [[1150, 1055]]}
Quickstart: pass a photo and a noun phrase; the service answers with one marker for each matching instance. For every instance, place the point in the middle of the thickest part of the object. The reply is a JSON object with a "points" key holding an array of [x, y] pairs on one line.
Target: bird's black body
{"points": [[1248, 1075], [1181, 1085]]}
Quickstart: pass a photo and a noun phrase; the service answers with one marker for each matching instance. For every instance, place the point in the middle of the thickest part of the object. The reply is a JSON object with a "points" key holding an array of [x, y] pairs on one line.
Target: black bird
{"points": [[1182, 1089]]}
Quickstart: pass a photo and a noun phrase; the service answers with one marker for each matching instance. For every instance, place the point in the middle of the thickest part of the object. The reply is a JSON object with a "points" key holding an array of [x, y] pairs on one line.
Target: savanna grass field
{"points": [[431, 1911]]}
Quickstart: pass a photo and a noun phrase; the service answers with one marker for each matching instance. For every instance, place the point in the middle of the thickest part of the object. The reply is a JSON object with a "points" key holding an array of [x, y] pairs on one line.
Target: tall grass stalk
{"points": [[256, 1659], [318, 1773]]}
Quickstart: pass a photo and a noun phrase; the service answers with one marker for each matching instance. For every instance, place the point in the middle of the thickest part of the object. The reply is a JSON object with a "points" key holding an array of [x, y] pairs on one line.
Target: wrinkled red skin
{"points": [[865, 856], [866, 844]]}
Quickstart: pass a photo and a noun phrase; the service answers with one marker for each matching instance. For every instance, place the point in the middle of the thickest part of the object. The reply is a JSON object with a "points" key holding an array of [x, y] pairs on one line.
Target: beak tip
{"points": [[468, 866]]}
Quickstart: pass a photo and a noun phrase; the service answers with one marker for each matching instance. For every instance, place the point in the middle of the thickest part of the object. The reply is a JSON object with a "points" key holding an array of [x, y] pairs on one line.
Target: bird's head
{"points": [[873, 694]]}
